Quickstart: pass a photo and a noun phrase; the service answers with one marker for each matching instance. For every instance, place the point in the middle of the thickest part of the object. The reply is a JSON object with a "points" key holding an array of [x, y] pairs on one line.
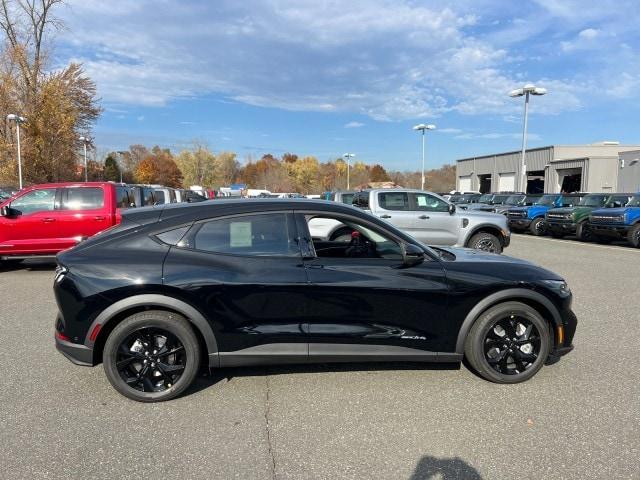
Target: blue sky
{"points": [[327, 77]]}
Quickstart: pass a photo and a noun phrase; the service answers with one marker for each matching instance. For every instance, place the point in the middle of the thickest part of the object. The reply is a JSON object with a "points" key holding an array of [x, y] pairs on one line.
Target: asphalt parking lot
{"points": [[576, 419]]}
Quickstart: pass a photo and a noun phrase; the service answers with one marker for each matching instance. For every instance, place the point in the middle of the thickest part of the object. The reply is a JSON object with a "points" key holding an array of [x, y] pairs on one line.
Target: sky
{"points": [[327, 77]]}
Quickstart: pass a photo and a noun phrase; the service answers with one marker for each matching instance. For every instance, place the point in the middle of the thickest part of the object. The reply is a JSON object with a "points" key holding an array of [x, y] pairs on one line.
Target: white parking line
{"points": [[586, 244]]}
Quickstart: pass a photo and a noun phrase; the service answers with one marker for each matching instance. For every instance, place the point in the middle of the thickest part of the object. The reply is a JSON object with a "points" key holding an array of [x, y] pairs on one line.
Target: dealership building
{"points": [[600, 167]]}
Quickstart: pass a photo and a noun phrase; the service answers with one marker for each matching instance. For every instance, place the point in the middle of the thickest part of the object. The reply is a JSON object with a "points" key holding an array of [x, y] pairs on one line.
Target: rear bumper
{"points": [[76, 353], [519, 223]]}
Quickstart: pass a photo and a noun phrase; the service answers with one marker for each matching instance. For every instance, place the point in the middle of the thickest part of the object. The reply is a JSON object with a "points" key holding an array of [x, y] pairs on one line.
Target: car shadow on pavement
{"points": [[220, 375], [432, 468], [36, 265]]}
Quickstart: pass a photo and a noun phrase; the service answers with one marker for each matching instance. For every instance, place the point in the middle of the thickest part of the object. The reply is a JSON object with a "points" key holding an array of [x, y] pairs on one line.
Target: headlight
{"points": [[559, 285]]}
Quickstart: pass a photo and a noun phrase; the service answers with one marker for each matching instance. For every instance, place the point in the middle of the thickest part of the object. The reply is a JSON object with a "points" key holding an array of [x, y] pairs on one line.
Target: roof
{"points": [[594, 146]]}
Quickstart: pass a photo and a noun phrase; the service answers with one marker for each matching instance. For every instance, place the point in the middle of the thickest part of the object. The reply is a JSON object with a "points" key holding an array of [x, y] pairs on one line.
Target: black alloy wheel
{"points": [[633, 237], [538, 227], [509, 343], [583, 232], [151, 356], [486, 242]]}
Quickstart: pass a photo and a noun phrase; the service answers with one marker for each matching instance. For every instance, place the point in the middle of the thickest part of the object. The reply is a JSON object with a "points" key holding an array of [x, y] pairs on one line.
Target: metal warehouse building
{"points": [[600, 167]]}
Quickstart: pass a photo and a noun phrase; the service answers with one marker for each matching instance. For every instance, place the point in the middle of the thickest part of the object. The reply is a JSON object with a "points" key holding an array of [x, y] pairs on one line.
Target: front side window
{"points": [[35, 201], [160, 197], [355, 241], [393, 200], [256, 235], [547, 200], [430, 203], [634, 202], [148, 197], [83, 198]]}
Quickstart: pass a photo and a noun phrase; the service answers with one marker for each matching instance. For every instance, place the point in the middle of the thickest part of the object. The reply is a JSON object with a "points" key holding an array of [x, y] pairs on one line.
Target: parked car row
{"points": [[600, 217]]}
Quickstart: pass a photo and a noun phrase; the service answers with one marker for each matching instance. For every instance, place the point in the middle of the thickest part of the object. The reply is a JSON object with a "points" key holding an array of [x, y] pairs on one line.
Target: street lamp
{"points": [[84, 141], [528, 89], [422, 127], [121, 154], [348, 157], [12, 117]]}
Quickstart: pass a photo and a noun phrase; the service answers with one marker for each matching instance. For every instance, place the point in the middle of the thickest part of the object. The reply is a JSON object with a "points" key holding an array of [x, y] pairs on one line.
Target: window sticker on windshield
{"points": [[240, 234], [422, 201]]}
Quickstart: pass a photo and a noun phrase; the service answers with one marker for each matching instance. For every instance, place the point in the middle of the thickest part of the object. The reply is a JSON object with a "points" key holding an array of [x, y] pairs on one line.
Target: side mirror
{"points": [[412, 255], [452, 209], [7, 211]]}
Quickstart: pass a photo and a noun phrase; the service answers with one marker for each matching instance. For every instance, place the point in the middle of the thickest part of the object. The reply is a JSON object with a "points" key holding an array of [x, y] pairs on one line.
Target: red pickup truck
{"points": [[43, 220]]}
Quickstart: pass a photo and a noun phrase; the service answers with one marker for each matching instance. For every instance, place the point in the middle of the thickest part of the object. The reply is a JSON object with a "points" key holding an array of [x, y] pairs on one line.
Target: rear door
{"points": [[84, 211], [432, 222], [394, 207], [33, 228]]}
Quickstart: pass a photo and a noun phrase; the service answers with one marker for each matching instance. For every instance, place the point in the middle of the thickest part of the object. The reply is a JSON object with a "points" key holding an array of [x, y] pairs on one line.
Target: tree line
{"points": [[199, 165]]}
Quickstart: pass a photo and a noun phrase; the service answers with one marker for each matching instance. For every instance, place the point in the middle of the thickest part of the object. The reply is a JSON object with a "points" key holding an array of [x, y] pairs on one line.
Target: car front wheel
{"points": [[152, 356], [633, 237], [509, 343], [537, 227], [486, 242]]}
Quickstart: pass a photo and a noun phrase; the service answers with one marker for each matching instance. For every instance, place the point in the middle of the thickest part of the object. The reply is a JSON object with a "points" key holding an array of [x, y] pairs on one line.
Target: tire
{"points": [[508, 361], [128, 343], [633, 236], [583, 232], [537, 227], [486, 242]]}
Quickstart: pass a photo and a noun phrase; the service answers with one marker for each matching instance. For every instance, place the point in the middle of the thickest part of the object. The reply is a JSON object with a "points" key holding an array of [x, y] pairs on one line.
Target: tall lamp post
{"points": [[120, 155], [12, 117], [528, 89], [84, 141], [423, 128], [348, 157]]}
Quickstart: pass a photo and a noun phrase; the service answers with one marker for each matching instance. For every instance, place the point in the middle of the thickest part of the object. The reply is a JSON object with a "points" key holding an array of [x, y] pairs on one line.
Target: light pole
{"points": [[84, 141], [423, 128], [348, 156], [12, 117], [121, 154], [528, 89]]}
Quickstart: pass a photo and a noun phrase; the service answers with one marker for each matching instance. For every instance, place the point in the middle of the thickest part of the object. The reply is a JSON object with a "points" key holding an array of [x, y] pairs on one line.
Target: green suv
{"points": [[575, 220]]}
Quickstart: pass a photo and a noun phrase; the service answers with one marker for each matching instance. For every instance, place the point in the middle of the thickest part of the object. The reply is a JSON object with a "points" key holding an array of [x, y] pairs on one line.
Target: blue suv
{"points": [[532, 217], [608, 224]]}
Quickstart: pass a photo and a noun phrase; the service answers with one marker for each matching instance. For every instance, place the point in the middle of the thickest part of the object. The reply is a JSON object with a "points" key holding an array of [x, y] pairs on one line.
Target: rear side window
{"points": [[148, 197], [83, 198], [347, 198], [255, 235], [393, 200], [124, 197], [361, 200], [160, 196]]}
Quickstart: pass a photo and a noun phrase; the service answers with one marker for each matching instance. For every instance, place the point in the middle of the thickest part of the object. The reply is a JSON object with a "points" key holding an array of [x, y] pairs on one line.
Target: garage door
{"points": [[464, 183], [507, 182]]}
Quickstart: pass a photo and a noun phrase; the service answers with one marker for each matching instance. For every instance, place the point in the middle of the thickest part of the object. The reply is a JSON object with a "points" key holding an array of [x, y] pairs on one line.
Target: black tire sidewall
{"points": [[534, 230], [485, 236], [168, 321], [474, 346], [633, 237]]}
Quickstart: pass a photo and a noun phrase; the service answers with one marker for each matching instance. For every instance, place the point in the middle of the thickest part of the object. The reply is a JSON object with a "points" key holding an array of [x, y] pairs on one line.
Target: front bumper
{"points": [[560, 227], [519, 223], [610, 230]]}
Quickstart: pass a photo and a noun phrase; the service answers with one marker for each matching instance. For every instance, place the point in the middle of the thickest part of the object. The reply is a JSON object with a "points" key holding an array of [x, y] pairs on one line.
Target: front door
{"points": [[432, 222], [246, 273], [363, 304], [32, 228]]}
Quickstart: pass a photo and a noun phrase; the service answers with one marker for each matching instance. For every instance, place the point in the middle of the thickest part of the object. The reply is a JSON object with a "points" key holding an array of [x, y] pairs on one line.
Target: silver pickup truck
{"points": [[428, 218]]}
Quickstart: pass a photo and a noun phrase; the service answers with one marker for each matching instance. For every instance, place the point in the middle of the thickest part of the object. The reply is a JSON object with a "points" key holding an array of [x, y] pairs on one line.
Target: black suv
{"points": [[217, 284]]}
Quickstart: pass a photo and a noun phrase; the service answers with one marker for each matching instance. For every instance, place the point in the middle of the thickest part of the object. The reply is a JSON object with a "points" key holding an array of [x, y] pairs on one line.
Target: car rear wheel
{"points": [[633, 236], [537, 227], [509, 343], [152, 356], [486, 241]]}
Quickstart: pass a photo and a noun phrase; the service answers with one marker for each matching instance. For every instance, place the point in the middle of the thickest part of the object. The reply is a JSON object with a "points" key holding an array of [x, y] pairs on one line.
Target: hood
{"points": [[472, 261], [611, 212]]}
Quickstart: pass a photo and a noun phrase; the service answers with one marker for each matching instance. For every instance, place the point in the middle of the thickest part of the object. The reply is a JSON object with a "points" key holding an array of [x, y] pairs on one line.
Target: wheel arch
{"points": [[536, 300], [118, 311], [488, 228]]}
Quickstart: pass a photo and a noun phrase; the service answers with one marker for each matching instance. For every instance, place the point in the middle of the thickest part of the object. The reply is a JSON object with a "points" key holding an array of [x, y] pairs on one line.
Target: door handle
{"points": [[423, 217], [385, 216], [48, 220], [99, 218]]}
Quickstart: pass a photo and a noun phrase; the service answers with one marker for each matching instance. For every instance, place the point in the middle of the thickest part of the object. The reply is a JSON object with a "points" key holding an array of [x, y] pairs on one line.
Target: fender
{"points": [[487, 226], [510, 294], [191, 314]]}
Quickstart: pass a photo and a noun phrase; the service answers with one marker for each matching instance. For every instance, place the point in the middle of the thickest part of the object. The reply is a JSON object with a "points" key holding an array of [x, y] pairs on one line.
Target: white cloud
{"points": [[387, 59], [449, 130], [353, 125], [495, 136], [140, 118]]}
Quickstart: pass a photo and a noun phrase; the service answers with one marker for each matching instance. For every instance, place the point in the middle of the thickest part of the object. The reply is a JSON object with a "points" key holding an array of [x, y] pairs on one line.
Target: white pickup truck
{"points": [[425, 216]]}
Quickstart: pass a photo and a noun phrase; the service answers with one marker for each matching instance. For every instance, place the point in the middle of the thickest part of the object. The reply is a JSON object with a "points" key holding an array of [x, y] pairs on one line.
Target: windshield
{"points": [[634, 202], [500, 199], [514, 199], [571, 200], [486, 198], [593, 201], [547, 200]]}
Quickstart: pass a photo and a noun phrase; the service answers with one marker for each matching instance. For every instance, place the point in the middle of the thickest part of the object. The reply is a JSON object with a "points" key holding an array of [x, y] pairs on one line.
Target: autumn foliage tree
{"points": [[159, 167]]}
